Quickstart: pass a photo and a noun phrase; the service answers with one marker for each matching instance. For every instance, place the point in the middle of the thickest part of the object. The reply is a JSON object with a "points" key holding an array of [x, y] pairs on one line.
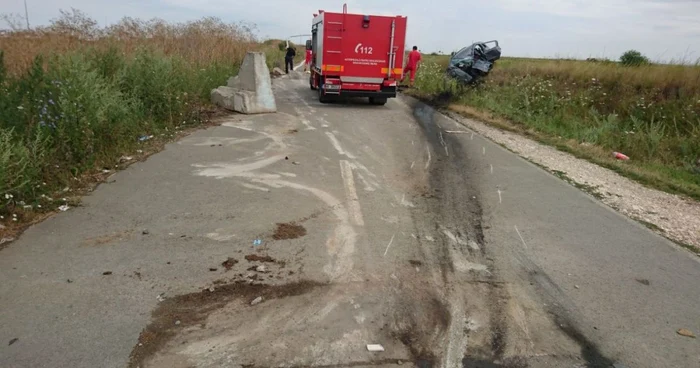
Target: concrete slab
{"points": [[250, 92]]}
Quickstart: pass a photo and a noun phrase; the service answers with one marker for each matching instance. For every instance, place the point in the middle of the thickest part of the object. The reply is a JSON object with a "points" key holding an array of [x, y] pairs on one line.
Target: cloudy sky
{"points": [[661, 29]]}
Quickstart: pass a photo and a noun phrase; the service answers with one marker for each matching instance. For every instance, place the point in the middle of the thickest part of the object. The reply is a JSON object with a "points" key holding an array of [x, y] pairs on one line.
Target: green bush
{"points": [[78, 112], [633, 58]]}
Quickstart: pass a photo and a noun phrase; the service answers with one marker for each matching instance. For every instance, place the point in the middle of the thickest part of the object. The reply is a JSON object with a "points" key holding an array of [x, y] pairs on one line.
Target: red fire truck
{"points": [[356, 55]]}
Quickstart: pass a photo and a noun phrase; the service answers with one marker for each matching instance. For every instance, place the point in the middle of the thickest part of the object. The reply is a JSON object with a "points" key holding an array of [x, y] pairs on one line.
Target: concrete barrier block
{"points": [[250, 92]]}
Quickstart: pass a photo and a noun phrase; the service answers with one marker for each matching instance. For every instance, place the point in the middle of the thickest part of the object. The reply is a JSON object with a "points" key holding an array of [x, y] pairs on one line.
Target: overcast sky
{"points": [[661, 29]]}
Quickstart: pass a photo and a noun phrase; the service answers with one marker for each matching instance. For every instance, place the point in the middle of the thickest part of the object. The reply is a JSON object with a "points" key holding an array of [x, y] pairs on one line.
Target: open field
{"points": [[77, 101], [650, 113]]}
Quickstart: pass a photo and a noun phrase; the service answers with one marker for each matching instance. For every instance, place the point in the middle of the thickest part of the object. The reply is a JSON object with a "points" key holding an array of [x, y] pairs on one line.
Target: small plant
{"points": [[633, 58]]}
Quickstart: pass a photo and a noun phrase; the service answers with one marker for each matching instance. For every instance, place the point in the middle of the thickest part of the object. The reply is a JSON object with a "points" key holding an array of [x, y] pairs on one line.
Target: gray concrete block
{"points": [[250, 92]]}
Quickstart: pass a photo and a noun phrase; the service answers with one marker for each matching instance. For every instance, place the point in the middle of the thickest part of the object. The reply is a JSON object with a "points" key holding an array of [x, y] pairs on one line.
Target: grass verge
{"points": [[78, 102], [650, 113]]}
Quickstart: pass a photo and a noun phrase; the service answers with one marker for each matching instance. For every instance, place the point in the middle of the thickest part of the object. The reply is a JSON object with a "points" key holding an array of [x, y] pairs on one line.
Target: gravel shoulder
{"points": [[674, 217]]}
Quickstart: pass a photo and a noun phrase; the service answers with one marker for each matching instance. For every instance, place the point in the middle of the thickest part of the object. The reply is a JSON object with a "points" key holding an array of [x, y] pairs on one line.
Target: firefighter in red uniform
{"points": [[307, 63], [414, 59]]}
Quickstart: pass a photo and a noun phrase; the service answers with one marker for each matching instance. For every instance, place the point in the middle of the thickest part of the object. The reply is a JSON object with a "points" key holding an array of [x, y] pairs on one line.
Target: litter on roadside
{"points": [[257, 300], [620, 156], [375, 347], [145, 138], [257, 242], [685, 332]]}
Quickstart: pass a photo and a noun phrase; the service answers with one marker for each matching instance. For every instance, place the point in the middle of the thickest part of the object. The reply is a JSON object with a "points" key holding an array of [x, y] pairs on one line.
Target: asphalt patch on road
{"points": [[183, 311], [288, 230]]}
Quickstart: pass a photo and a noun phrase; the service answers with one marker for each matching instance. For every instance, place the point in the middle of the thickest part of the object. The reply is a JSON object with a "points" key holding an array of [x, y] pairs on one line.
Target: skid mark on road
{"points": [[457, 341], [351, 193]]}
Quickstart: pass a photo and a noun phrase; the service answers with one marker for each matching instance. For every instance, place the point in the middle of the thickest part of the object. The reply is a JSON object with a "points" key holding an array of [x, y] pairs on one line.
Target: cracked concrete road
{"points": [[406, 230]]}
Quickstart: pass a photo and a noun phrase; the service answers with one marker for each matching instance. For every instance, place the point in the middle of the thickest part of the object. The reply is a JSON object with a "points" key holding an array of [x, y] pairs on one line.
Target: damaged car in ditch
{"points": [[473, 62]]}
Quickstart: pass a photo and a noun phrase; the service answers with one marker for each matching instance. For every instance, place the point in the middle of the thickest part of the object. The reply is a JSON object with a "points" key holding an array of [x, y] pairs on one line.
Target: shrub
{"points": [[633, 58]]}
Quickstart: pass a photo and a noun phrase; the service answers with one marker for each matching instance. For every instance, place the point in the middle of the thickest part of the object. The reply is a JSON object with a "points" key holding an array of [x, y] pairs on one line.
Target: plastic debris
{"points": [[620, 156], [257, 300], [685, 332], [257, 242], [177, 322], [63, 208], [375, 347], [145, 138], [160, 297]]}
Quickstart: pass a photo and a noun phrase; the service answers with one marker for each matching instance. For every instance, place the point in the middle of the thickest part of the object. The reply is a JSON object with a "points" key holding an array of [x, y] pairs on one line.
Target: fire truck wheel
{"points": [[377, 100], [311, 83], [321, 97]]}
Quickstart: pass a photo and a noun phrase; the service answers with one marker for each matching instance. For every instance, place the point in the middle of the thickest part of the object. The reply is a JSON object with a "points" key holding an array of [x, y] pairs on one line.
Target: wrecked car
{"points": [[473, 62]]}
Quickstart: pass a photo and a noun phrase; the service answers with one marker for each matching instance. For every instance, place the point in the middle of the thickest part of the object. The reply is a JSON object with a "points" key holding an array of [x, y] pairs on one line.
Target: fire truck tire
{"points": [[311, 83], [321, 97], [377, 100]]}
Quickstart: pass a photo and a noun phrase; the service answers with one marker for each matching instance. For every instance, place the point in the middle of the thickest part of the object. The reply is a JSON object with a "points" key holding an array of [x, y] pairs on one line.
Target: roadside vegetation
{"points": [[77, 100], [649, 112]]}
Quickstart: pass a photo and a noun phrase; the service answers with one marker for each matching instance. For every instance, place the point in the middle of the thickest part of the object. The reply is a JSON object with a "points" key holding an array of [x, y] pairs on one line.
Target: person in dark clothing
{"points": [[289, 59]]}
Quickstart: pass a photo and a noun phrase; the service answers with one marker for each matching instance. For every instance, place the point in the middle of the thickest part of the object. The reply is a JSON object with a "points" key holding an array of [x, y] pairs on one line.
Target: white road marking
{"points": [[446, 153], [457, 131], [472, 136], [521, 237], [413, 164], [442, 140], [483, 150], [307, 124], [220, 237], [336, 145], [388, 245], [251, 186], [351, 193], [428, 162], [499, 196], [491, 169]]}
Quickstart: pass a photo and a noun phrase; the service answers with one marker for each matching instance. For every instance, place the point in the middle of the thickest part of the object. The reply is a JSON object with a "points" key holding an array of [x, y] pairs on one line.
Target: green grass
{"points": [[590, 109], [76, 107]]}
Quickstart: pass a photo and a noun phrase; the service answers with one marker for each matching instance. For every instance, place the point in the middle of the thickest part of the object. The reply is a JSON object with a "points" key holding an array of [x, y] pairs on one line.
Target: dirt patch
{"points": [[229, 263], [194, 308], [257, 258], [288, 230]]}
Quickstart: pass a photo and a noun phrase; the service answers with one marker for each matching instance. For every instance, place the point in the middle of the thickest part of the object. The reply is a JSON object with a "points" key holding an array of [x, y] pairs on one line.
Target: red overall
{"points": [[412, 64]]}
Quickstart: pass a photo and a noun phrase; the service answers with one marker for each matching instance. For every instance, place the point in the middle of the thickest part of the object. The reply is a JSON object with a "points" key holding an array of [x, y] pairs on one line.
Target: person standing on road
{"points": [[289, 59], [414, 59]]}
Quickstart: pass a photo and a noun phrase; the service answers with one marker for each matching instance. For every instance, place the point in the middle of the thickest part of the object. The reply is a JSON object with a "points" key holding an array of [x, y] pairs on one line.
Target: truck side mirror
{"points": [[308, 44]]}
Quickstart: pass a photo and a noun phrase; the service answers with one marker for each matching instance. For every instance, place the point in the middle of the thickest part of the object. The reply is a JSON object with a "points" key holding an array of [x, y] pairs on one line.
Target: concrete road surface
{"points": [[298, 238]]}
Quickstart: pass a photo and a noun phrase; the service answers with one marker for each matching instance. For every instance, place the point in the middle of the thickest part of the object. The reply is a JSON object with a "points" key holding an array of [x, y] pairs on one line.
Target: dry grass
{"points": [[74, 98]]}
